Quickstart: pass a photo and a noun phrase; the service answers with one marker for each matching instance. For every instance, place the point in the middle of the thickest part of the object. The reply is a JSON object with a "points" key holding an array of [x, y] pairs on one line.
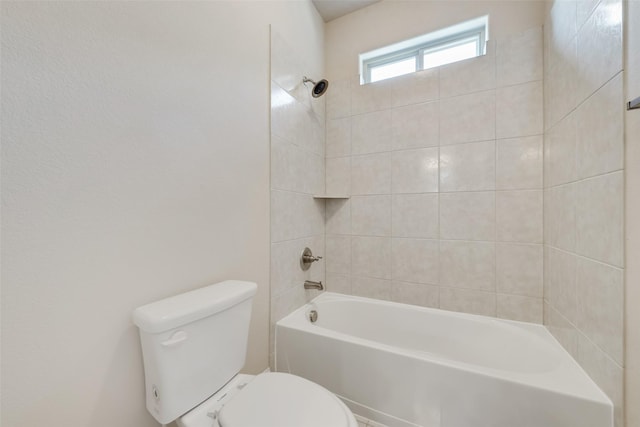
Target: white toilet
{"points": [[194, 345]]}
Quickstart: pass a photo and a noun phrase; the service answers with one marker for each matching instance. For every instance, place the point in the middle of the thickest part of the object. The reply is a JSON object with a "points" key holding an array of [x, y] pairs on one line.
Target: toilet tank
{"points": [[192, 344]]}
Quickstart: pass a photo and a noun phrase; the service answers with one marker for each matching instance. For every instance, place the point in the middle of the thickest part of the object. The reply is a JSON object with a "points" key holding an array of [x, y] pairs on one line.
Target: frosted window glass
{"points": [[393, 69], [451, 54]]}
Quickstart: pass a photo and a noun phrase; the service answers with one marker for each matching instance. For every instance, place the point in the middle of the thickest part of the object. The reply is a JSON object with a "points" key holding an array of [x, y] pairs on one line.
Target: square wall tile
{"points": [[415, 126], [560, 152], [371, 215], [339, 137], [468, 167], [600, 47], [285, 163], [599, 218], [370, 97], [337, 257], [415, 294], [519, 163], [285, 70], [296, 169], [561, 85], [468, 301], [562, 26], [468, 265], [519, 58], [519, 216], [519, 110], [519, 269], [414, 260], [468, 216], [560, 282], [521, 308], [415, 171], [561, 329], [339, 283], [584, 10], [600, 142], [285, 114], [468, 76], [339, 99], [607, 374], [338, 216], [312, 132], [285, 303], [371, 288], [468, 118], [415, 215], [285, 265], [560, 217], [295, 215], [415, 88], [371, 174], [371, 257], [600, 290], [338, 175], [371, 133]]}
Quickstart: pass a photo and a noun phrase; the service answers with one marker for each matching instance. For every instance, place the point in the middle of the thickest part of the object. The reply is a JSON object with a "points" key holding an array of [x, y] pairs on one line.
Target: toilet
{"points": [[194, 345]]}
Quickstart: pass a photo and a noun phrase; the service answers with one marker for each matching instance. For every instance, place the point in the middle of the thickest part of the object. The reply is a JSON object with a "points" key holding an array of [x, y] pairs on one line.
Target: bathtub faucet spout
{"points": [[308, 284]]}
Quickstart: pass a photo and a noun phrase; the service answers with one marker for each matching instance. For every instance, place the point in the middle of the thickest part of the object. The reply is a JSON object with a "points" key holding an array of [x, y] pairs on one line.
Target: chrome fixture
{"points": [[307, 258], [308, 284], [319, 88], [633, 105], [313, 316]]}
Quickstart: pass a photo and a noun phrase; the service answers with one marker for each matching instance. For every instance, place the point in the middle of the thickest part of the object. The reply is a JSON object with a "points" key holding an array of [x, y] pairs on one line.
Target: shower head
{"points": [[319, 88]]}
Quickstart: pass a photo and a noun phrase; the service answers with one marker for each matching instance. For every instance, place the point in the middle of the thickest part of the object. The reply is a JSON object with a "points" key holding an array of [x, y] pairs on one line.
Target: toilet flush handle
{"points": [[175, 339]]}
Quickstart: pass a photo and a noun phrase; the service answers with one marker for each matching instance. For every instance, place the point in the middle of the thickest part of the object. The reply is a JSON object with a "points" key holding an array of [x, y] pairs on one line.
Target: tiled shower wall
{"points": [[444, 169], [297, 173], [584, 187]]}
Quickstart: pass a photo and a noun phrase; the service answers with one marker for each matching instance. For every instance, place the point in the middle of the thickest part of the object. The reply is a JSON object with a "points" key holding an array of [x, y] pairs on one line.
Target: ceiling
{"points": [[332, 9]]}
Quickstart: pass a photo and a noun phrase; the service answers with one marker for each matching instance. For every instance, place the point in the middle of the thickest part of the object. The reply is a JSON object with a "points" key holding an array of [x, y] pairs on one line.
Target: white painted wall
{"points": [[135, 165], [390, 21]]}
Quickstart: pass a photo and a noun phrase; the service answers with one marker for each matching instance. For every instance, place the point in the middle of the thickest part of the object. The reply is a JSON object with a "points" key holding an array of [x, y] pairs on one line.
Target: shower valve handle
{"points": [[307, 258]]}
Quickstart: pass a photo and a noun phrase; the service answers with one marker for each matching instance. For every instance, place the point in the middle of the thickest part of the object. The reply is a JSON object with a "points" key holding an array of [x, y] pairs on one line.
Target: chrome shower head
{"points": [[319, 88]]}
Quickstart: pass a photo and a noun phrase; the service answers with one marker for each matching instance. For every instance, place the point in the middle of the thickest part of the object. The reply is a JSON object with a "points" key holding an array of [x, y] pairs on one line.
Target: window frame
{"points": [[447, 38]]}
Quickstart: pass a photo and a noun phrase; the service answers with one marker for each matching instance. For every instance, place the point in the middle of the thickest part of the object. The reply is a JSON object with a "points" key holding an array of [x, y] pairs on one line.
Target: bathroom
{"points": [[145, 154]]}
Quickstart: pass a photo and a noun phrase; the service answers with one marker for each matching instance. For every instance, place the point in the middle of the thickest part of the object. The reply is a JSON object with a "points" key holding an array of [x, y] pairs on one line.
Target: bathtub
{"points": [[402, 365]]}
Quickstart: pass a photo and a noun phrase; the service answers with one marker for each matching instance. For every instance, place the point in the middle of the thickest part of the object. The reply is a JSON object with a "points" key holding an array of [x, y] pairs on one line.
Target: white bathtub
{"points": [[403, 365]]}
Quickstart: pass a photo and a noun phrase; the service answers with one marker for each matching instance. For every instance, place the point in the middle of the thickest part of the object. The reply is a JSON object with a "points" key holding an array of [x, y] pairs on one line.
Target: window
{"points": [[461, 41]]}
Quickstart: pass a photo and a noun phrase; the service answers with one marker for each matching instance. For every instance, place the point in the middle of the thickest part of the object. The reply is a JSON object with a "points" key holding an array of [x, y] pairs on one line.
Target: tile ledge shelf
{"points": [[330, 196]]}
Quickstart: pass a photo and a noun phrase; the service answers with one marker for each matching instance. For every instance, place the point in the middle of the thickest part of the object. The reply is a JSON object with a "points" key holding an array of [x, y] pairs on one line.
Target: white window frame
{"points": [[475, 29]]}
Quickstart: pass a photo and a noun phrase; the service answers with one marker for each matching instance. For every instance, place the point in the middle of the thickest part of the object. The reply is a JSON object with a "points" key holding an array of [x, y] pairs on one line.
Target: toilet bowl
{"points": [[194, 345], [270, 400]]}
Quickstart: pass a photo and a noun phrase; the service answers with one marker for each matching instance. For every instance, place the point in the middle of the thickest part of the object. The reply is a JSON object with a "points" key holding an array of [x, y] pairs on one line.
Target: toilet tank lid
{"points": [[179, 310]]}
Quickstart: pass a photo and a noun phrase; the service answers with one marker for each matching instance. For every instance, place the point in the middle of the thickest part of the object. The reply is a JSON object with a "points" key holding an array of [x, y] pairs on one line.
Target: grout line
{"points": [[582, 333], [432, 239], [584, 179], [350, 191], [580, 103], [439, 193], [495, 183], [584, 257], [440, 145]]}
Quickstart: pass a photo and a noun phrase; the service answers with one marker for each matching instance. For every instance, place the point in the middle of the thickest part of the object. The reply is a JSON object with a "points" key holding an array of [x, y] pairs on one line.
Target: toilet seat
{"points": [[284, 400]]}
